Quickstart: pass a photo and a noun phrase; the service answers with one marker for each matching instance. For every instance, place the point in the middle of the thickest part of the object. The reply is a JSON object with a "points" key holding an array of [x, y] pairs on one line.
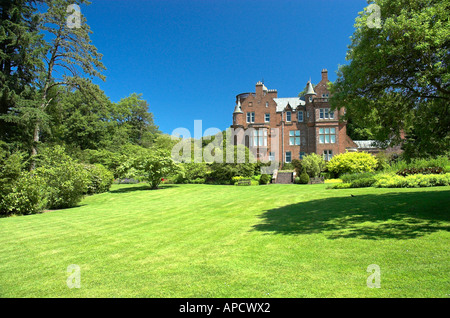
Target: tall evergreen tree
{"points": [[20, 59]]}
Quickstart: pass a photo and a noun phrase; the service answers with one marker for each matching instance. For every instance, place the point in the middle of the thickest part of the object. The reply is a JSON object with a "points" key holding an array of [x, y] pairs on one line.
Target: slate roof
{"points": [[294, 102]]}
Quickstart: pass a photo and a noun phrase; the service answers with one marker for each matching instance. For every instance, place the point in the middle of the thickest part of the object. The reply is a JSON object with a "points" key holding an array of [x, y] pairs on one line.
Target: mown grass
{"points": [[226, 241]]}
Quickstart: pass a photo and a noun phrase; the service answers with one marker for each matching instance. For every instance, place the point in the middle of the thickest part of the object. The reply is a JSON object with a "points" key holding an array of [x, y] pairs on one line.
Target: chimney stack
{"points": [[325, 75]]}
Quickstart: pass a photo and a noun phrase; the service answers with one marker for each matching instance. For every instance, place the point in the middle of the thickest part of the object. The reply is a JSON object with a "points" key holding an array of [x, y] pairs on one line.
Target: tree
{"points": [[20, 52], [398, 76], [135, 120], [153, 166], [80, 120], [69, 54]]}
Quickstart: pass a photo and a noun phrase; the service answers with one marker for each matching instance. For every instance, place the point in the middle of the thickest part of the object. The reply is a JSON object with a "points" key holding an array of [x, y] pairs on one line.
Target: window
{"points": [[250, 104], [267, 104], [251, 117], [294, 138], [326, 113], [327, 135], [288, 157], [300, 116], [288, 116], [327, 155], [271, 156], [267, 118], [302, 154], [260, 138]]}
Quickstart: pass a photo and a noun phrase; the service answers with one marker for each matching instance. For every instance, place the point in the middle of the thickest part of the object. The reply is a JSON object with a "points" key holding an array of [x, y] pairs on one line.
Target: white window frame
{"points": [[327, 155], [250, 117], [327, 135], [286, 156], [267, 118], [300, 118], [290, 117]]}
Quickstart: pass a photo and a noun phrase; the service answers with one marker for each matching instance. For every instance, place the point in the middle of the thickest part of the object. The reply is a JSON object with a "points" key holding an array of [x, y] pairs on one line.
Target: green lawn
{"points": [[227, 241]]}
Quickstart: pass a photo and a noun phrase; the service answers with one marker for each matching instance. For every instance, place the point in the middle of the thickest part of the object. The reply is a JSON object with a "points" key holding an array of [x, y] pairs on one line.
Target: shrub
{"points": [[265, 179], [28, 195], [224, 172], [297, 180], [350, 177], [412, 181], [382, 161], [11, 166], [66, 179], [192, 171], [341, 186], [304, 178], [411, 171], [352, 162], [100, 179], [363, 183], [313, 164], [198, 181], [152, 166]]}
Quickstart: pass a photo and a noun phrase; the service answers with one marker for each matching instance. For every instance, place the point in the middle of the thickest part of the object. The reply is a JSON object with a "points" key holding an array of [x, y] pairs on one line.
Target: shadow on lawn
{"points": [[141, 188], [393, 215]]}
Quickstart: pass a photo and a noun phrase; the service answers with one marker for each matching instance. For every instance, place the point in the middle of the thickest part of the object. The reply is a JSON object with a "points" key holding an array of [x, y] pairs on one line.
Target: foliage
{"points": [[192, 171], [350, 177], [265, 179], [418, 163], [65, 179], [153, 166], [20, 59], [28, 195], [363, 182], [313, 164], [11, 166], [100, 179], [304, 178], [388, 94], [429, 170], [341, 186], [412, 181], [352, 162]]}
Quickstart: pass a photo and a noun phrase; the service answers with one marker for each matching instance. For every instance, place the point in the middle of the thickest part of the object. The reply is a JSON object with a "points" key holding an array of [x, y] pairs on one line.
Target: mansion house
{"points": [[305, 125]]}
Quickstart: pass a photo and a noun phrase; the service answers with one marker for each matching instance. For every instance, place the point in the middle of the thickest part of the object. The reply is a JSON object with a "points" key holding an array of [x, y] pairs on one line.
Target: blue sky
{"points": [[190, 58]]}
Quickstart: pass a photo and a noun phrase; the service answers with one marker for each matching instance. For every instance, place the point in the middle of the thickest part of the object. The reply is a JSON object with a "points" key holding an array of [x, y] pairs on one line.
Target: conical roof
{"points": [[238, 109], [310, 89]]}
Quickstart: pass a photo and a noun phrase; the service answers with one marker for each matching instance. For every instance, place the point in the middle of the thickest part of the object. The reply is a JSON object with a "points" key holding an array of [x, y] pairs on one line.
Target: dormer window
{"points": [[288, 116], [250, 104]]}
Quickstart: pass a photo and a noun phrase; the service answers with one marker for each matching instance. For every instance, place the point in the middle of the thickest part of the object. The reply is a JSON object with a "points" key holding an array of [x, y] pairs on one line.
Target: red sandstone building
{"points": [[304, 126]]}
